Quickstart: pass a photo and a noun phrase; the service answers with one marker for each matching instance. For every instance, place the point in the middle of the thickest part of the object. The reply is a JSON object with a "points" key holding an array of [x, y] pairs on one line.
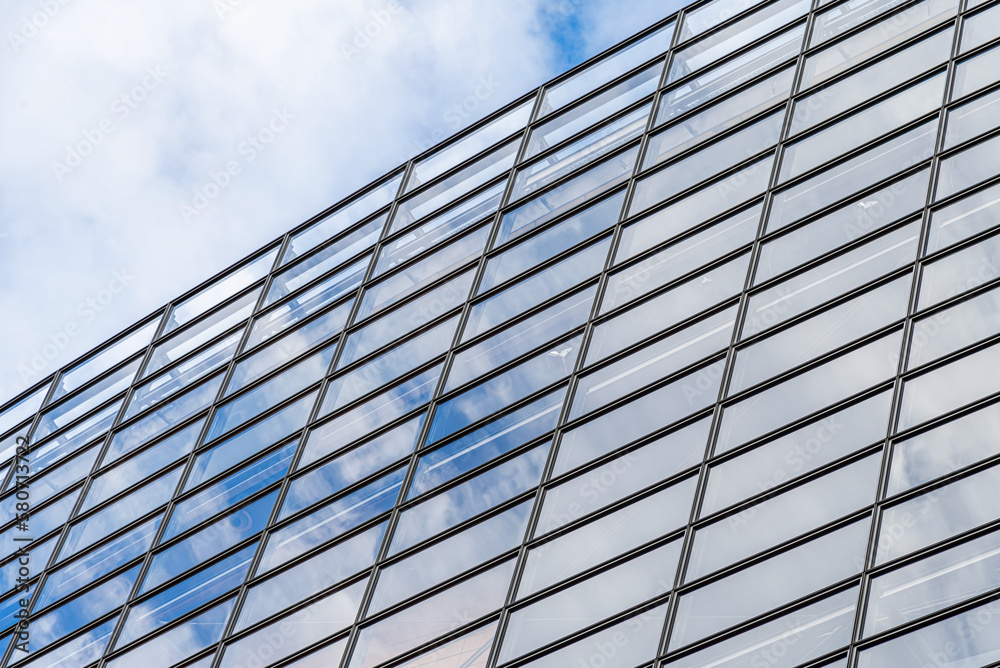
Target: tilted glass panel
{"points": [[585, 187], [438, 229], [776, 518], [980, 29], [874, 165], [870, 80], [968, 167], [653, 362], [821, 333], [432, 617], [606, 69], [590, 601], [767, 584], [316, 574], [294, 277], [219, 291], [579, 153], [443, 159], [209, 542], [521, 337], [71, 440], [946, 388], [841, 226], [181, 376], [311, 301], [735, 36], [944, 449], [270, 393], [277, 353], [838, 275], [452, 187], [448, 558], [22, 410], [376, 412], [425, 271], [79, 651], [959, 272], [100, 362], [470, 650], [712, 14], [790, 640], [796, 453], [863, 127], [971, 119], [680, 258], [979, 646], [88, 399], [40, 522], [342, 218], [485, 444], [933, 583], [976, 72], [717, 118], [801, 395], [963, 218], [719, 80], [668, 308], [51, 482], [469, 498], [593, 111], [834, 22], [551, 281], [954, 328], [504, 389]]}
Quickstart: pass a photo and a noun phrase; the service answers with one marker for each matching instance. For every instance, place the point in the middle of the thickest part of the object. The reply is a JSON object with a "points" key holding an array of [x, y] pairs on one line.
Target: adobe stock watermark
{"points": [[460, 113], [32, 25], [364, 34], [247, 150], [121, 108], [88, 310]]}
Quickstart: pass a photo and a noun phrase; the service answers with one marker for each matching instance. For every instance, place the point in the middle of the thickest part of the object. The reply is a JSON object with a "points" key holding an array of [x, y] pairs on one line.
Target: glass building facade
{"points": [[686, 359]]}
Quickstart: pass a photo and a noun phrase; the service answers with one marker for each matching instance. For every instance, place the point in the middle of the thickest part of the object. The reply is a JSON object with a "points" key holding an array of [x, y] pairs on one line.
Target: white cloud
{"points": [[220, 69]]}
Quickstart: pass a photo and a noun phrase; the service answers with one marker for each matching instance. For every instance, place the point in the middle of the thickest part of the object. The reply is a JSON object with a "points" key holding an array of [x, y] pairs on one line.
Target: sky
{"points": [[116, 116]]}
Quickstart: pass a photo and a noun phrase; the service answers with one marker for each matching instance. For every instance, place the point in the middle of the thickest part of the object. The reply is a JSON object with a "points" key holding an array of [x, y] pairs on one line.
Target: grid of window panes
{"points": [[686, 359]]}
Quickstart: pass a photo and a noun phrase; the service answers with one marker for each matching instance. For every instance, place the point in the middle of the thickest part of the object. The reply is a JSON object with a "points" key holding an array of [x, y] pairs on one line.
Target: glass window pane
{"points": [[448, 558], [963, 219], [288, 347], [100, 362], [976, 72], [712, 14], [439, 162], [593, 111], [21, 410], [843, 273], [590, 601], [42, 521], [374, 413], [441, 613], [834, 22], [467, 651], [438, 229], [668, 308], [221, 290], [606, 69], [452, 187], [579, 153], [653, 362], [538, 288], [53, 481], [770, 583], [954, 328], [79, 651], [716, 118], [681, 257], [968, 167], [971, 119], [71, 440], [794, 454], [735, 36], [948, 387], [523, 336], [293, 278], [88, 399], [777, 518], [841, 226], [801, 395], [342, 218], [980, 28], [822, 333], [311, 301], [943, 449], [317, 573], [873, 79], [270, 393], [468, 499], [556, 239], [485, 444], [583, 188]]}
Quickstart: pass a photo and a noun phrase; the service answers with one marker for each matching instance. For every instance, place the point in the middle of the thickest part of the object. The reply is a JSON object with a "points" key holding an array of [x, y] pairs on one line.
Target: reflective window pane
{"points": [[976, 72], [968, 167], [971, 119], [180, 642], [963, 218], [980, 29], [88, 399], [954, 328], [311, 301]]}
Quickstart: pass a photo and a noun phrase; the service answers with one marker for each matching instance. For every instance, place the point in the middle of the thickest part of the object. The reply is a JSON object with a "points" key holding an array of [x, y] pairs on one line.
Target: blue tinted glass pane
{"points": [[39, 523], [88, 399], [274, 322], [51, 482], [210, 541], [504, 389], [23, 409], [230, 491], [352, 466], [80, 651], [71, 440], [486, 443], [284, 349]]}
